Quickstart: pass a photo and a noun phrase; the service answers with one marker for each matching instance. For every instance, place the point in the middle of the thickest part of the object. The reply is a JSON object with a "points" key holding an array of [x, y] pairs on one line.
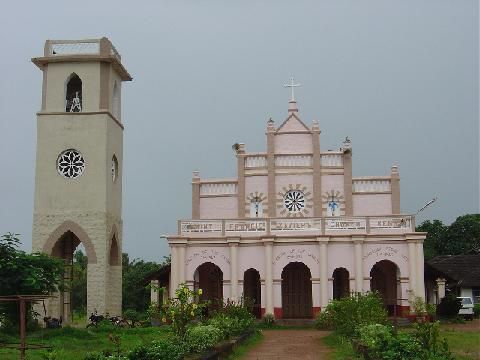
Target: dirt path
{"points": [[290, 344]]}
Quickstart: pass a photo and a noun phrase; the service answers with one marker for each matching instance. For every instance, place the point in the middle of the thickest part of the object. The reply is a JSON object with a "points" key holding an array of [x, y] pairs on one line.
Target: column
{"points": [[395, 186], [347, 188], [173, 270], [317, 171], [233, 269], [441, 288], [420, 270], [181, 264], [241, 180], [358, 265], [196, 195], [268, 276], [323, 274], [154, 294], [411, 266], [272, 206]]}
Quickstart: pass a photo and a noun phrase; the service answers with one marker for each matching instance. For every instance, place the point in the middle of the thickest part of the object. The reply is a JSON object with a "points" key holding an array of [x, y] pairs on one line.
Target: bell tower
{"points": [[78, 176]]}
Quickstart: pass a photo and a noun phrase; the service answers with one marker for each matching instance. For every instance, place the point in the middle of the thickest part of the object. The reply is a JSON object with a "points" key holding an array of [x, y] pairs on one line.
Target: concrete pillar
{"points": [[441, 288], [241, 180], [347, 187], [411, 266], [395, 186], [268, 276], [173, 271], [233, 270], [196, 195], [323, 274], [420, 270], [358, 265], [181, 264], [317, 171], [154, 293], [272, 205]]}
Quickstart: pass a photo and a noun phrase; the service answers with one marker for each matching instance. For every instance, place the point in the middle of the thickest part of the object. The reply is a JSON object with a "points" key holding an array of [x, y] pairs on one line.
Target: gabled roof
{"points": [[464, 269], [293, 124]]}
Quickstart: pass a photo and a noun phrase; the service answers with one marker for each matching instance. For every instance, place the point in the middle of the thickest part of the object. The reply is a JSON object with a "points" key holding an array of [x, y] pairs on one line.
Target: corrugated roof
{"points": [[465, 269]]}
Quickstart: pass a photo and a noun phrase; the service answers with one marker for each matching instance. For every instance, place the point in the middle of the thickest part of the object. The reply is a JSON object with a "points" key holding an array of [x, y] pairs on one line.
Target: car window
{"points": [[466, 301]]}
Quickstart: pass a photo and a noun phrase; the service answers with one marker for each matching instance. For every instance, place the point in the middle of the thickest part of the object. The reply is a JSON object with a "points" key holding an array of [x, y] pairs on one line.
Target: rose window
{"points": [[294, 200], [70, 164]]}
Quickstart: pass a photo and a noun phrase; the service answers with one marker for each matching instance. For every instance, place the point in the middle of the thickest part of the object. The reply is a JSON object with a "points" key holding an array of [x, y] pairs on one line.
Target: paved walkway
{"points": [[290, 344]]}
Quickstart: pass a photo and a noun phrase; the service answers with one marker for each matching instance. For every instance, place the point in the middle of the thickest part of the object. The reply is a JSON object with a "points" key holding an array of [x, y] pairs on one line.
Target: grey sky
{"points": [[400, 78]]}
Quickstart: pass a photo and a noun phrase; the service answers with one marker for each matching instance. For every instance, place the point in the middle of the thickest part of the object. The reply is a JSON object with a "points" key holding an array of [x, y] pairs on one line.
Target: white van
{"points": [[467, 307]]}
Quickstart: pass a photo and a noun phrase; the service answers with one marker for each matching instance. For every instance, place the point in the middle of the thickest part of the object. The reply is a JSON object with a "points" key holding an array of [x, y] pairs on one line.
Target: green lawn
{"points": [[74, 343], [463, 344]]}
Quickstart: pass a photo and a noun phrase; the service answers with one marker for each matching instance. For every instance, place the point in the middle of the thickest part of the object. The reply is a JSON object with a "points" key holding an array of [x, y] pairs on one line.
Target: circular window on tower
{"points": [[114, 168], [70, 164], [294, 201]]}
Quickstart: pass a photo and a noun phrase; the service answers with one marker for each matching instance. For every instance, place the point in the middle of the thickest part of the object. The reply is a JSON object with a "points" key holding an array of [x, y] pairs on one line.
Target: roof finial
{"points": [[292, 85]]}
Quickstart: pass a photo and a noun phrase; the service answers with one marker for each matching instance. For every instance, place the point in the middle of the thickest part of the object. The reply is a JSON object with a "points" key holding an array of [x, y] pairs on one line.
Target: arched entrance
{"points": [[296, 291], [209, 278], [252, 290], [384, 275], [341, 283], [73, 294]]}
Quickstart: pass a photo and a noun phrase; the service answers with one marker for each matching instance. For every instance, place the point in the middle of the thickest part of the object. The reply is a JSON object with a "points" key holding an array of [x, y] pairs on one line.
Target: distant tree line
{"points": [[462, 237]]}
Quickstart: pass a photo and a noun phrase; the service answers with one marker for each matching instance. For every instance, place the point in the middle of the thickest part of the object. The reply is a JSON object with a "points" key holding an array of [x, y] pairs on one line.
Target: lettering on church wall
{"points": [[384, 251], [200, 226], [207, 255], [295, 255], [346, 224], [296, 225]]}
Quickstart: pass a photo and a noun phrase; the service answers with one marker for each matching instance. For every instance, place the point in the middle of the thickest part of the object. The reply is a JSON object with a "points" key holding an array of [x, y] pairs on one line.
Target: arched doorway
{"points": [[252, 290], [73, 294], [341, 283], [296, 291], [384, 279], [209, 278]]}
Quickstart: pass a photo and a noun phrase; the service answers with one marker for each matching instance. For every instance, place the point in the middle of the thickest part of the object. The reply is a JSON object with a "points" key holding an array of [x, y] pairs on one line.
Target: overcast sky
{"points": [[400, 78]]}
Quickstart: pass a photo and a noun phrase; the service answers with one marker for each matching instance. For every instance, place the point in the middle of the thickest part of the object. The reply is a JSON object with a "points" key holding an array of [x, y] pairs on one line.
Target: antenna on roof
{"points": [[427, 205]]}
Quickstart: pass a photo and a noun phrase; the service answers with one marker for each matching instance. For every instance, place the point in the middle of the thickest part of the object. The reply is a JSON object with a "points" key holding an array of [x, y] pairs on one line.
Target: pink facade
{"points": [[295, 229]]}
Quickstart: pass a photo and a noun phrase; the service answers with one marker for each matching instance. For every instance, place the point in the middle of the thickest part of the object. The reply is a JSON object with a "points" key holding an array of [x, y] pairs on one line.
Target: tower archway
{"points": [[73, 95], [296, 291]]}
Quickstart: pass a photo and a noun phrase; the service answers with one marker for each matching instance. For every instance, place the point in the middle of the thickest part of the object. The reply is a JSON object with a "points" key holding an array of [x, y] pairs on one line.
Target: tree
{"points": [[79, 282], [436, 231], [25, 274], [135, 295], [461, 237]]}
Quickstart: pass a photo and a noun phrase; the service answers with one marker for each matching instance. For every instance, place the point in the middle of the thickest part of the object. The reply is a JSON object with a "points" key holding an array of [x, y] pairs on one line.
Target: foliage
{"points": [[461, 237], [202, 337], [431, 309], [231, 326], [380, 342], [418, 305], [168, 349], [449, 306], [133, 317], [22, 273], [347, 315], [79, 282], [240, 309], [135, 295], [268, 320], [182, 309], [239, 351], [476, 310]]}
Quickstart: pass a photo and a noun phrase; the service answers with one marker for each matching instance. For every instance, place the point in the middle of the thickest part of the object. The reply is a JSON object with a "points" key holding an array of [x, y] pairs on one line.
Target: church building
{"points": [[295, 229]]}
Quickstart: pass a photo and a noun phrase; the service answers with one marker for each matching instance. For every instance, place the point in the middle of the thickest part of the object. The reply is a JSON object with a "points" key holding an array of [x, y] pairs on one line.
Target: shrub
{"points": [[268, 320], [375, 337], [240, 309], [476, 310], [202, 337], [449, 306], [231, 325], [324, 320], [346, 316], [165, 349]]}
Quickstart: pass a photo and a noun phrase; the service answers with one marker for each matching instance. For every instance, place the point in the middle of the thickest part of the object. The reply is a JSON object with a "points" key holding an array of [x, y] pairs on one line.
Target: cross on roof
{"points": [[292, 85]]}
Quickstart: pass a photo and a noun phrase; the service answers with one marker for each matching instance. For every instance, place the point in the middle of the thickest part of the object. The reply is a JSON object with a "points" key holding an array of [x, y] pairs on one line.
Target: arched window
{"points": [[116, 101], [73, 97]]}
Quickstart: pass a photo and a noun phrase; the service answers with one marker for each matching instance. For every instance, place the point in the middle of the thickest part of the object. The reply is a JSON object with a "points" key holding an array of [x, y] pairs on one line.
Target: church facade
{"points": [[296, 229]]}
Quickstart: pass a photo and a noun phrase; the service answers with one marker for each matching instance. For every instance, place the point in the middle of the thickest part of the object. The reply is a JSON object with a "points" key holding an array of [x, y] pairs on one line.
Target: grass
{"points": [[74, 343], [343, 349], [463, 344], [241, 350]]}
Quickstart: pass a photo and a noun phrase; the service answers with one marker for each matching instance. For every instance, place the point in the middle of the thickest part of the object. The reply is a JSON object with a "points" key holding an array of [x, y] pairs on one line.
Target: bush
{"points": [[165, 349], [268, 320], [476, 310], [346, 316], [202, 337], [449, 306], [231, 326]]}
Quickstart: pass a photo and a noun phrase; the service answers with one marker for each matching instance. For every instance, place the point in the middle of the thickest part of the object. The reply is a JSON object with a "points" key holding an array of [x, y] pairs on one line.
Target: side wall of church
{"points": [[372, 204], [293, 144], [218, 207]]}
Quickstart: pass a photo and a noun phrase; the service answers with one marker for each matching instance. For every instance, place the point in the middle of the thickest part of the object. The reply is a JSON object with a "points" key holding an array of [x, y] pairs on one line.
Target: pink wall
{"points": [[219, 207], [372, 204], [293, 143]]}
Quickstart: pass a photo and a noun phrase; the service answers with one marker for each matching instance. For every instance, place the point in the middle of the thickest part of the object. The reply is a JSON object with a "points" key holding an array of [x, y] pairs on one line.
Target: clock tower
{"points": [[78, 179]]}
